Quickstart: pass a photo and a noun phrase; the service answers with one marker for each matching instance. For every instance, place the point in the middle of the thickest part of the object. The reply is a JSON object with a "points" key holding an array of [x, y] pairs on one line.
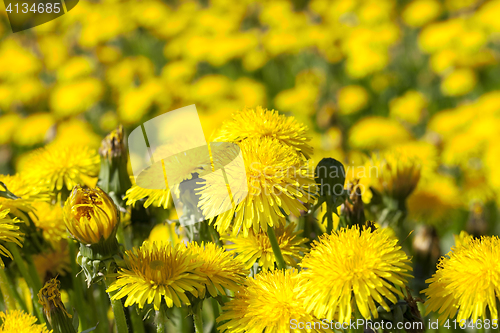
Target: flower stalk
{"points": [[276, 248]]}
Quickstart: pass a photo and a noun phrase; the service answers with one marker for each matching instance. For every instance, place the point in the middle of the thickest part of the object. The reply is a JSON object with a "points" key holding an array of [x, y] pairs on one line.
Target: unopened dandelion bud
{"points": [[353, 208], [113, 177], [54, 309], [91, 217], [330, 175]]}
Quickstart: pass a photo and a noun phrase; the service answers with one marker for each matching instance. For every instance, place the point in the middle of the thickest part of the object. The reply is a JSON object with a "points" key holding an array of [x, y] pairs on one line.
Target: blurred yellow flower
{"points": [[165, 232], [49, 218], [74, 68], [17, 61], [434, 199], [68, 99], [26, 192], [377, 133], [459, 82], [8, 124], [54, 262], [34, 129], [420, 12], [408, 107], [60, 166], [351, 99]]}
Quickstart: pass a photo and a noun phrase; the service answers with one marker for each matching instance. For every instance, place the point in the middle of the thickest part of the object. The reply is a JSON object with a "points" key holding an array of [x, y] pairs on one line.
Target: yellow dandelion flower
{"points": [[33, 129], [9, 232], [352, 99], [377, 133], [278, 183], [256, 246], [90, 215], [62, 167], [220, 269], [18, 321], [408, 107], [420, 12], [27, 194], [156, 198], [157, 270], [268, 303], [260, 122], [467, 281], [353, 267], [50, 219], [434, 199], [459, 82]]}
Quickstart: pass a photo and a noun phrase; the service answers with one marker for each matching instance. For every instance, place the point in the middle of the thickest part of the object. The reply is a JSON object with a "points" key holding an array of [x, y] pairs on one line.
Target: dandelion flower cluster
{"points": [[467, 280], [353, 268]]}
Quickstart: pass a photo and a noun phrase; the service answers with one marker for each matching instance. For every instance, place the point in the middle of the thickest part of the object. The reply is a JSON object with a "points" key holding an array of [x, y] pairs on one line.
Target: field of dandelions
{"points": [[370, 136]]}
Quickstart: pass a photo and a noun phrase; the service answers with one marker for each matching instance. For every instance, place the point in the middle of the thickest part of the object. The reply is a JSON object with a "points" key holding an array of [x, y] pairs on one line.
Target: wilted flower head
{"points": [[467, 280], [353, 266], [90, 215], [53, 307]]}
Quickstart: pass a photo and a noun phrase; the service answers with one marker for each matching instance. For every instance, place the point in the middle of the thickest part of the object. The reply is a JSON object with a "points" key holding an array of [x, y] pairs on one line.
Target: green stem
{"points": [[20, 302], [6, 289], [33, 284], [102, 306], [118, 311], [276, 248], [161, 323], [78, 299], [137, 323], [357, 315], [198, 320], [214, 235]]}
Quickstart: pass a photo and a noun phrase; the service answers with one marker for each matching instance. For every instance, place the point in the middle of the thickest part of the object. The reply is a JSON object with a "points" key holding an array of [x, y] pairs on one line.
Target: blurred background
{"points": [[364, 75]]}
